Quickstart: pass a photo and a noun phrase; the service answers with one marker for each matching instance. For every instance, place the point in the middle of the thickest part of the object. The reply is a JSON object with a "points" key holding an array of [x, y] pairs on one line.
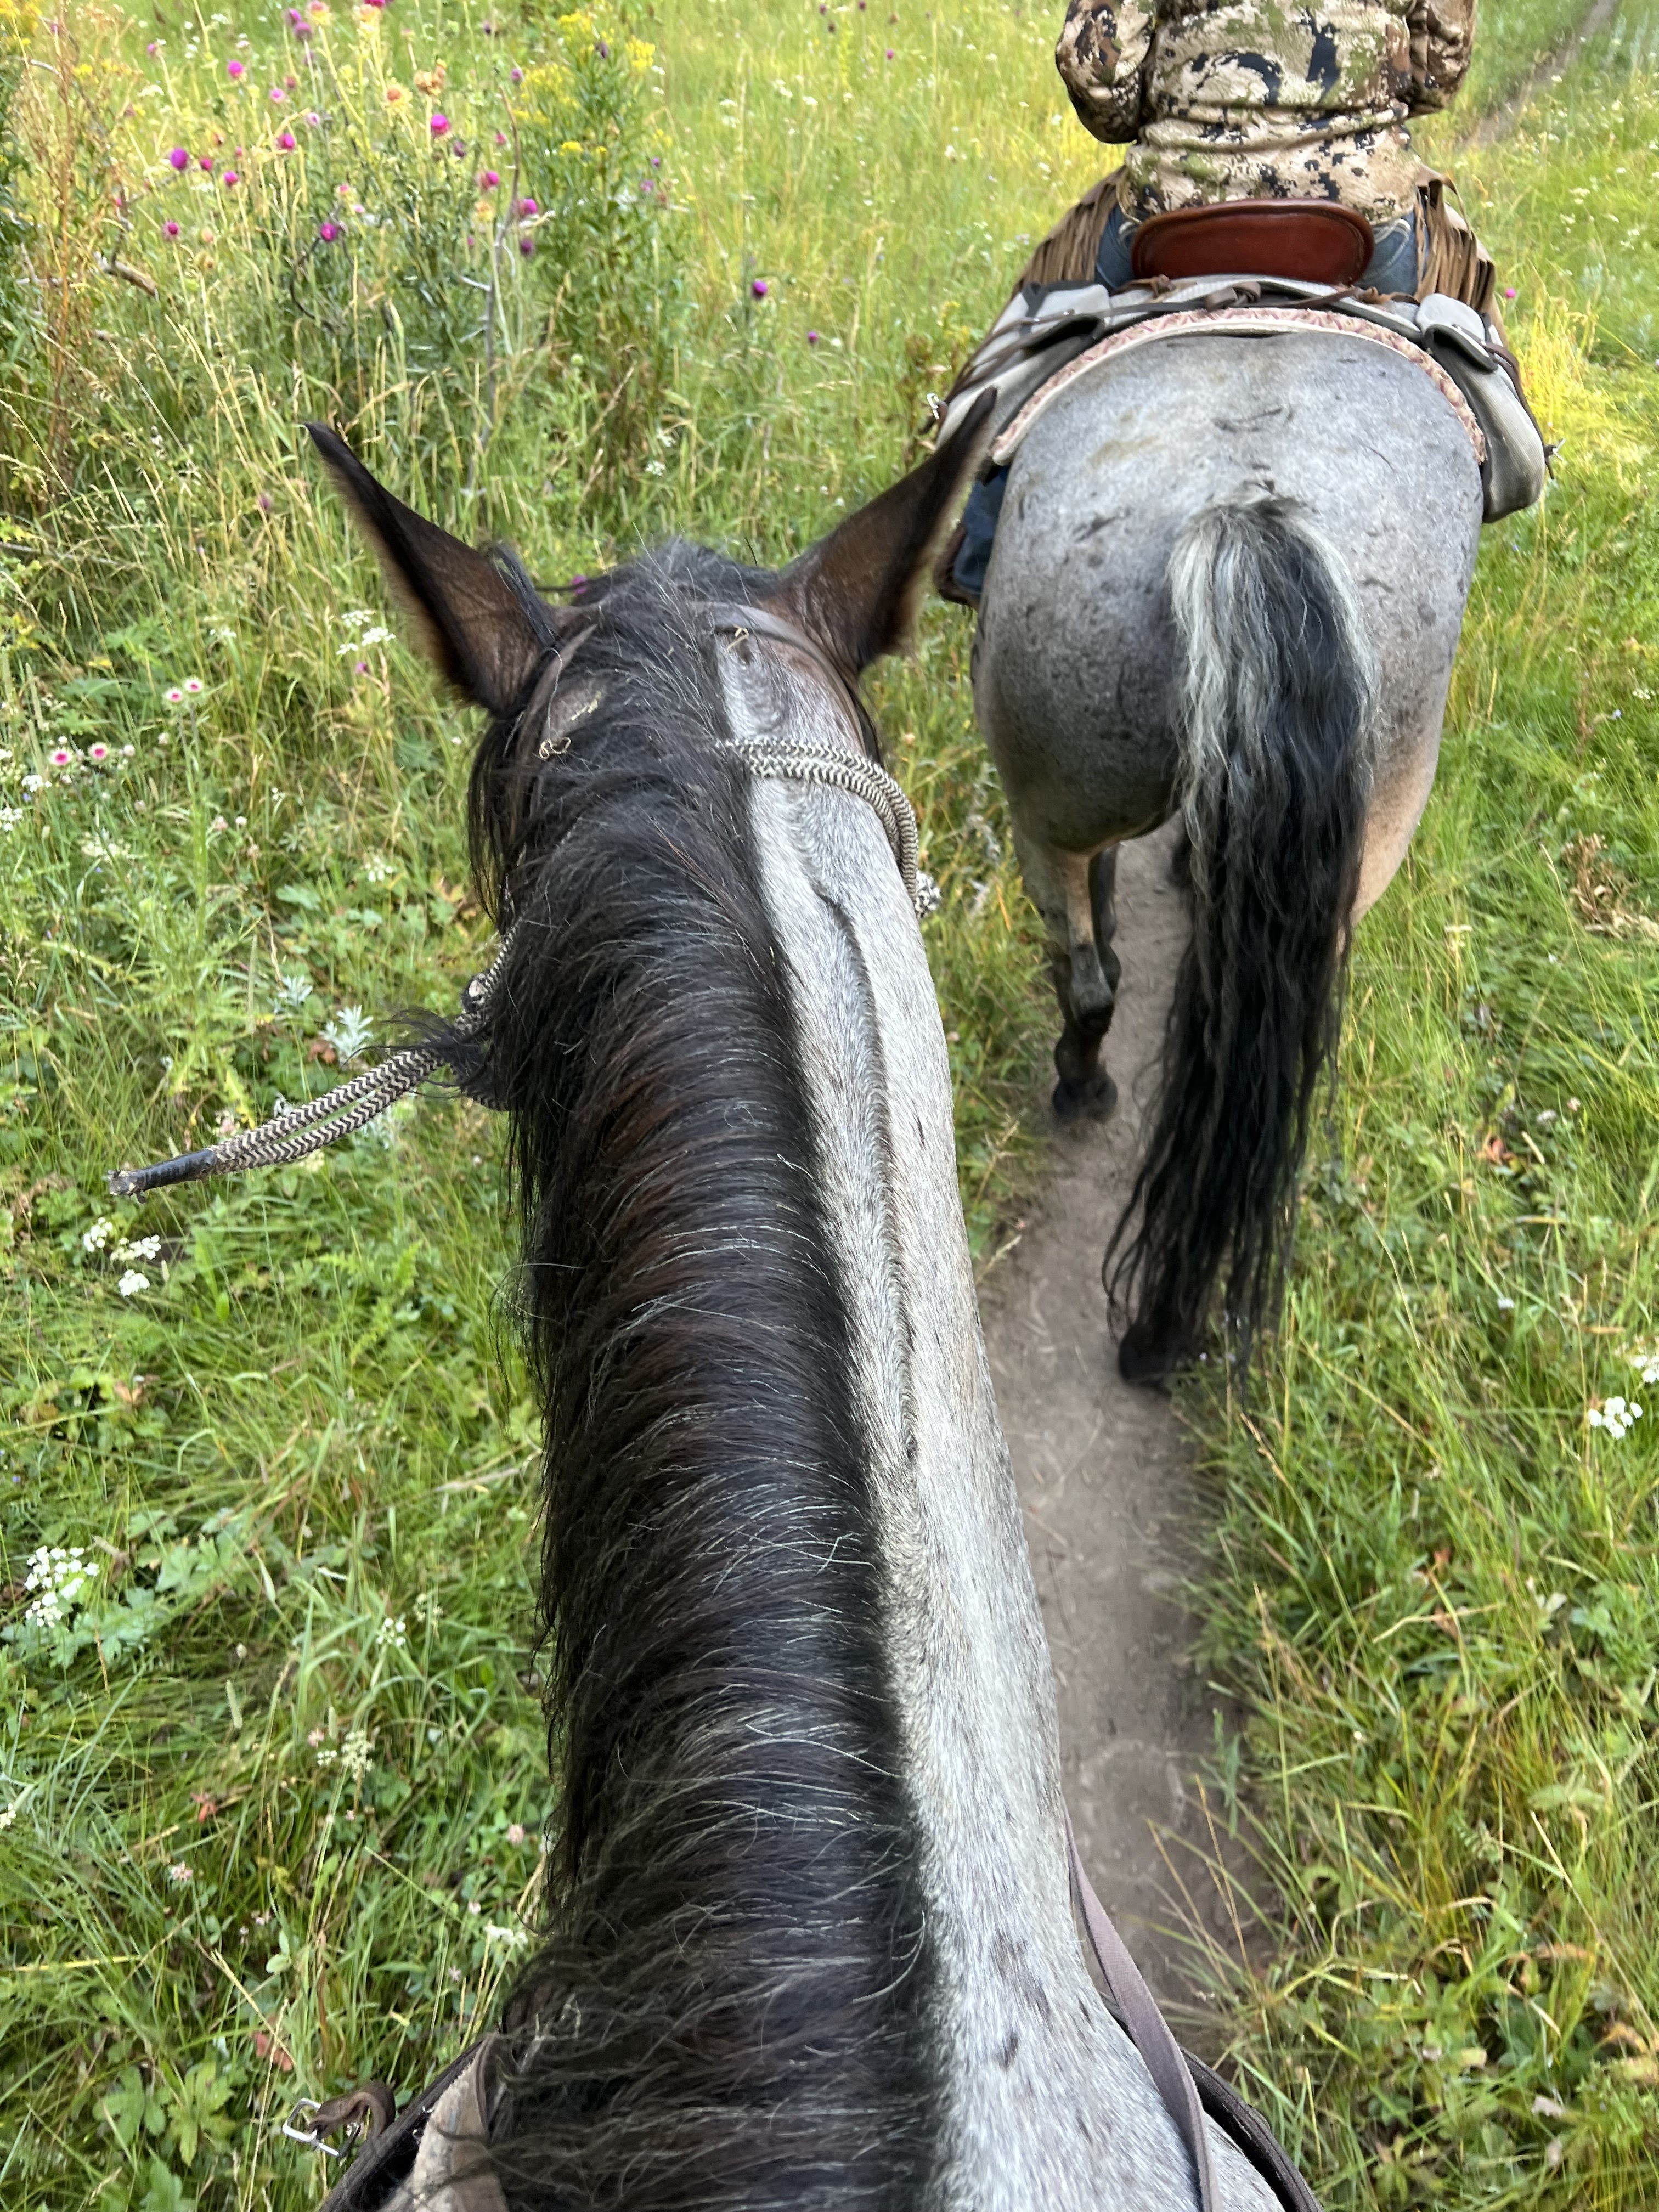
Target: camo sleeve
{"points": [[1441, 34], [1101, 51]]}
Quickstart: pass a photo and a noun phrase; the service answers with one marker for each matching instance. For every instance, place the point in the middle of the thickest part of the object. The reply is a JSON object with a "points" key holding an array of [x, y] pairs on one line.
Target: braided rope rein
{"points": [[299, 1131]]}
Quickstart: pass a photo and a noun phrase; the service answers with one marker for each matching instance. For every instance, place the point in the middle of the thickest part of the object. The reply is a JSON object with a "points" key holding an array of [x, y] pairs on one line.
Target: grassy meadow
{"points": [[272, 1766]]}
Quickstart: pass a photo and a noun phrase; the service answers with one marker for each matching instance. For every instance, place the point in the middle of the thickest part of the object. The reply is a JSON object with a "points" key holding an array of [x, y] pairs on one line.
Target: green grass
{"points": [[300, 1456]]}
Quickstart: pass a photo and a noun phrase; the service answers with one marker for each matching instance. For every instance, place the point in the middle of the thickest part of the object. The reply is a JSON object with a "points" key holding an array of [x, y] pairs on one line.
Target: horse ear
{"points": [[467, 618], [857, 590]]}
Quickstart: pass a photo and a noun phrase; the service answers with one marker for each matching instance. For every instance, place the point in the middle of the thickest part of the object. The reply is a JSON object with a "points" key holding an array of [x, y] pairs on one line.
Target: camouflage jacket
{"points": [[1260, 98]]}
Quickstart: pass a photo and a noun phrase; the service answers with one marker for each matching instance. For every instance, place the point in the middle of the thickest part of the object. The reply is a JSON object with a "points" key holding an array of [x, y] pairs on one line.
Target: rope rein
{"points": [[299, 1131]]}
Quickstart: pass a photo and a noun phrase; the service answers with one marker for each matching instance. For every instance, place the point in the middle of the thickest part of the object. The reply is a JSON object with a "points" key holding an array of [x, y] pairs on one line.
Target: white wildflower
{"points": [[1616, 1415], [354, 1753], [178, 1875], [95, 1238], [391, 1635], [142, 1247], [355, 617], [132, 1282], [326, 1754], [1644, 1358], [61, 1576], [655, 469], [34, 783], [377, 869], [513, 1939], [10, 818]]}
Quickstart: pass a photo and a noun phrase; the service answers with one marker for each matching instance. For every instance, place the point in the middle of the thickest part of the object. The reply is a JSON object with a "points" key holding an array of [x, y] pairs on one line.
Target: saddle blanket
{"points": [[1047, 336]]}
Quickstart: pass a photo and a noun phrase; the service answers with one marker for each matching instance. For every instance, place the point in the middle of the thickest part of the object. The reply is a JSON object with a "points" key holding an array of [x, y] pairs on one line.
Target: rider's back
{"points": [[1259, 99]]}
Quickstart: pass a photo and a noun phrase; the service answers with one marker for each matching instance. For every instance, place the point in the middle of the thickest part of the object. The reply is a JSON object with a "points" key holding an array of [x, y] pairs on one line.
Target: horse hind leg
{"points": [[1074, 894]]}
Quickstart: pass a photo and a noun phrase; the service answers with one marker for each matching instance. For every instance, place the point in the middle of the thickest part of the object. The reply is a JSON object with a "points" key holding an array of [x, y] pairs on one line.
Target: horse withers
{"points": [[808, 1936], [1228, 580]]}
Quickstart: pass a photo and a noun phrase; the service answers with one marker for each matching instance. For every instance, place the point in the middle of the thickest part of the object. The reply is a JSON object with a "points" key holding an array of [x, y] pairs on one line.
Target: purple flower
{"points": [[656, 161], [760, 288], [278, 94], [526, 244], [206, 162], [291, 82], [179, 158], [328, 232], [265, 502], [171, 228], [230, 177], [518, 75], [488, 180], [314, 122], [526, 207], [362, 668], [233, 70], [889, 53], [811, 337], [602, 49], [287, 141], [439, 124], [1509, 291]]}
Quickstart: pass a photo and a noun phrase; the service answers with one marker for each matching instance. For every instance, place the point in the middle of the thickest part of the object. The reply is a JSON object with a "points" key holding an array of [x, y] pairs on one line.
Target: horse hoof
{"points": [[1095, 1100], [1142, 1357]]}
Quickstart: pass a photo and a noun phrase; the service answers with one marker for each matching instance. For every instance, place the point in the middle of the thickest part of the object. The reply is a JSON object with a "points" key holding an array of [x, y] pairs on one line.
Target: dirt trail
{"points": [[1105, 1473]]}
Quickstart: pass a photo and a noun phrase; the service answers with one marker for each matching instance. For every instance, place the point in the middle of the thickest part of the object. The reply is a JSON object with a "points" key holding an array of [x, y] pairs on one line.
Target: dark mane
{"points": [[731, 2005]]}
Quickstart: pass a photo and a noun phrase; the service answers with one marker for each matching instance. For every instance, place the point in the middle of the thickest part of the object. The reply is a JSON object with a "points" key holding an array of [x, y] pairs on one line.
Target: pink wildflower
{"points": [[171, 228], [60, 756], [98, 752], [179, 157], [286, 142], [489, 180], [328, 232], [438, 126], [230, 177], [526, 207], [760, 288], [278, 94]]}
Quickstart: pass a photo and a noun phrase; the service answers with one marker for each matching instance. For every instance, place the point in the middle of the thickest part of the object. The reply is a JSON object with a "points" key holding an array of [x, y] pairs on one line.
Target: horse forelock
{"points": [[732, 2005]]}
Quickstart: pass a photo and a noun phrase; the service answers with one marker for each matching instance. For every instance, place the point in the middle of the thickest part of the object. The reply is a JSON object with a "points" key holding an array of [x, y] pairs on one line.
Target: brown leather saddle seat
{"points": [[1314, 241]]}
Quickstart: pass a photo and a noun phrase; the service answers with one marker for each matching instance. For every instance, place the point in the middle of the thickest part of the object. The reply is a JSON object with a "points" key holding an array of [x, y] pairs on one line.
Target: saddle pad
{"points": [[1244, 322], [1321, 241]]}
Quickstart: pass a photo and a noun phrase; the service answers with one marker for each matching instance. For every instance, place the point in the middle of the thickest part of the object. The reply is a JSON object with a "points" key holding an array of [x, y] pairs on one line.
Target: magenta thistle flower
{"points": [[230, 177], [439, 124], [179, 157], [265, 502], [98, 752], [233, 70], [811, 337], [760, 288], [60, 756], [278, 94], [526, 244], [489, 180], [526, 207], [328, 232], [171, 229], [193, 685], [518, 75], [287, 141], [1509, 291], [889, 53], [314, 122], [206, 162]]}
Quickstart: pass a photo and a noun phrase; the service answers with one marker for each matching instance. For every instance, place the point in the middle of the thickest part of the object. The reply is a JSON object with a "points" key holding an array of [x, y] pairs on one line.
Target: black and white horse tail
{"points": [[1277, 707]]}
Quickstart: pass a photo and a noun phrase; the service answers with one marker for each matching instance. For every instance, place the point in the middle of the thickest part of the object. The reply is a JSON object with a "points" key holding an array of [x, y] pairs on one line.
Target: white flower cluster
{"points": [[1644, 1358], [61, 1576], [354, 1753], [123, 1254], [1616, 1415], [377, 869], [510, 1939], [392, 1635], [10, 818], [362, 630]]}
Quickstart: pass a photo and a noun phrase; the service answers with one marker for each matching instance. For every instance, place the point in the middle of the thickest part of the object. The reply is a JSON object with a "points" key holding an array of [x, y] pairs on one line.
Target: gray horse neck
{"points": [[1045, 2102]]}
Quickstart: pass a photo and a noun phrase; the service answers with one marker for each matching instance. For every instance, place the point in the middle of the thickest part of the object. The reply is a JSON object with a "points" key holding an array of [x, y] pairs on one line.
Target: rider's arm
{"points": [[1443, 35], [1101, 55]]}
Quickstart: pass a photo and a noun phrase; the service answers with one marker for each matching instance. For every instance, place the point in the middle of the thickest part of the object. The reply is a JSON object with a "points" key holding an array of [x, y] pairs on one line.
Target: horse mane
{"points": [[733, 2001]]}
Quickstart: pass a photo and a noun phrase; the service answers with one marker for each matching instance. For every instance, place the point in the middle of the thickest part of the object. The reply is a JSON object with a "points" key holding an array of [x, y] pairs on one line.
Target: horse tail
{"points": [[1277, 705]]}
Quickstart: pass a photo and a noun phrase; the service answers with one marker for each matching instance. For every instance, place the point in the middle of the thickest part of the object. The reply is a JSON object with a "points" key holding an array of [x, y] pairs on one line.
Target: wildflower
{"points": [[233, 70], [132, 1282], [354, 1753], [516, 1833], [811, 337], [314, 121], [889, 53], [286, 141], [60, 756], [171, 229], [218, 826], [179, 157], [10, 818], [394, 92], [349, 1033], [518, 76], [438, 126], [513, 1938], [230, 177], [1644, 1358], [655, 469], [1616, 1415], [1509, 291], [328, 232], [95, 1238], [278, 94], [60, 1576], [474, 1907], [127, 752], [326, 1755], [314, 1738], [489, 180], [391, 1635], [527, 206], [8, 1813], [180, 1874], [760, 288], [192, 685], [142, 1247], [265, 502], [361, 669], [526, 244], [1506, 1305], [206, 1805]]}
